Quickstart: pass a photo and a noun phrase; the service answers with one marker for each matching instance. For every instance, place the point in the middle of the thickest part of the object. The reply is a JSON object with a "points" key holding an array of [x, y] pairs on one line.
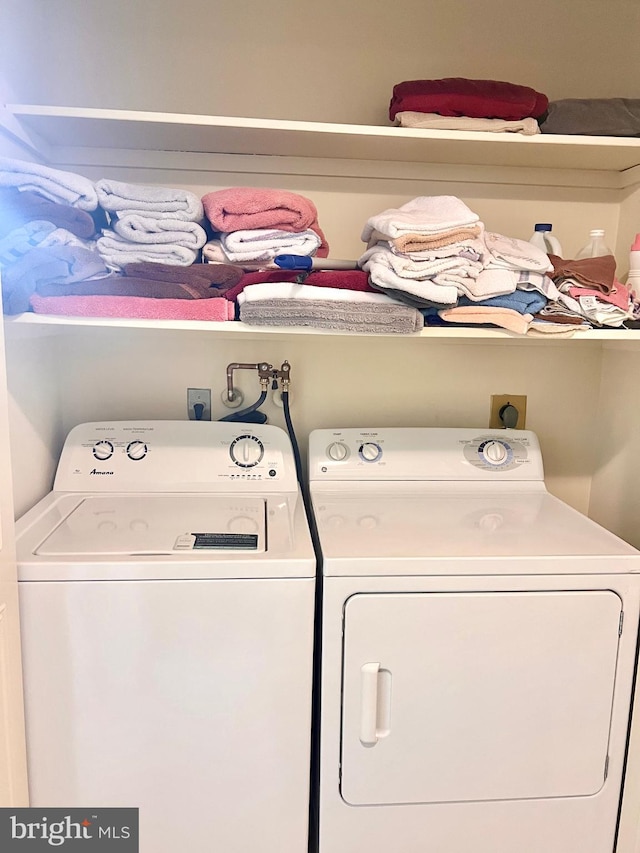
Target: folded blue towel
{"points": [[21, 240], [523, 301]]}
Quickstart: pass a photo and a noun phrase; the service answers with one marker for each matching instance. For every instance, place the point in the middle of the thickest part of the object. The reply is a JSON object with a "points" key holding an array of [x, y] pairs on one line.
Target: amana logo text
{"points": [[95, 471]]}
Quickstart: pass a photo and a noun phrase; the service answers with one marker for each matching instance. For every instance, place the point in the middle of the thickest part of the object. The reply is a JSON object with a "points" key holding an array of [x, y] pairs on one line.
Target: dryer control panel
{"points": [[424, 453], [176, 456]]}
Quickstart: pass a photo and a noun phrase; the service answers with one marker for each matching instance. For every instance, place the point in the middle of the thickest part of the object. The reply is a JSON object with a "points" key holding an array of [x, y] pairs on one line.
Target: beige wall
{"points": [[329, 61]]}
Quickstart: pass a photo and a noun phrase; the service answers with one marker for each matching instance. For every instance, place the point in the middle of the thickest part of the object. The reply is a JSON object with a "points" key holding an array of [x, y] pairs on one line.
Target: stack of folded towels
{"points": [[457, 103], [435, 254], [341, 300], [149, 224], [51, 263], [253, 225], [48, 223]]}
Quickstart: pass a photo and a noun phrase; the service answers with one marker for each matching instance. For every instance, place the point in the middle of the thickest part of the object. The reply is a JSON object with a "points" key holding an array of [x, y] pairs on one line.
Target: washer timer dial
{"points": [[246, 451], [370, 451], [495, 452]]}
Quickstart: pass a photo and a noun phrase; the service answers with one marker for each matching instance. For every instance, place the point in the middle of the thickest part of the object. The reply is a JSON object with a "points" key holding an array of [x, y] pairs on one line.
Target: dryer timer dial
{"points": [[246, 451]]}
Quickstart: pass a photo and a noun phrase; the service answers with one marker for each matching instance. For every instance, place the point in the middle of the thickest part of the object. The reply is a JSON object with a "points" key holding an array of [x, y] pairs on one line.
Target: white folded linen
{"points": [[511, 253], [53, 184], [117, 252], [122, 198], [434, 121], [263, 244], [145, 229], [422, 215], [293, 290], [416, 266]]}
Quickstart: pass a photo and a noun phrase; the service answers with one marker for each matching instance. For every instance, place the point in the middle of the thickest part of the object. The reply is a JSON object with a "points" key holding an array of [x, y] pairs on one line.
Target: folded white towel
{"points": [[121, 198], [263, 244], [145, 229], [514, 254], [434, 121], [62, 237], [381, 275], [490, 282], [117, 252], [418, 267], [54, 184], [292, 290], [422, 215]]}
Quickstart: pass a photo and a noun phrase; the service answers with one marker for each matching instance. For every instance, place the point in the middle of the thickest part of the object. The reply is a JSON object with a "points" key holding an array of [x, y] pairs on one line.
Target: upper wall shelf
{"points": [[64, 135]]}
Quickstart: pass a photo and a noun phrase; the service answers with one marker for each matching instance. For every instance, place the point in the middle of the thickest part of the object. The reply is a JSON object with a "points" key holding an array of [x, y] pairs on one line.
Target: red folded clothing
{"points": [[458, 96], [248, 208], [343, 279]]}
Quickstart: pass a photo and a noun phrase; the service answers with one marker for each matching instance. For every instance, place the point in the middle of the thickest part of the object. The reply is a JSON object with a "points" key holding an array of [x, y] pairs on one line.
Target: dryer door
{"points": [[477, 695]]}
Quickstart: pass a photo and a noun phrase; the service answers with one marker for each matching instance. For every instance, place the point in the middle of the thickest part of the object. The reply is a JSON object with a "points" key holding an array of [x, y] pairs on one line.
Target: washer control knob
{"points": [[495, 452], [337, 451], [246, 451], [103, 450], [136, 450], [370, 451]]}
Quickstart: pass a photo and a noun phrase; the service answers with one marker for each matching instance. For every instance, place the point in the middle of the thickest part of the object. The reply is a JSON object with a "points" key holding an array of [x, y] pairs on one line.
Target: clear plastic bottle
{"points": [[544, 239], [596, 247]]}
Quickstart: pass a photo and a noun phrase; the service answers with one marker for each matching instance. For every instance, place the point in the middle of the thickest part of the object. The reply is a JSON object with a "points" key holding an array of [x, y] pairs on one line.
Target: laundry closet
{"points": [[205, 96]]}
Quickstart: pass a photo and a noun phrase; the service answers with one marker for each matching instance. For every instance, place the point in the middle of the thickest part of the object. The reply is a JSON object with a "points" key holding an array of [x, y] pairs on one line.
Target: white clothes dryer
{"points": [[478, 648], [167, 607]]}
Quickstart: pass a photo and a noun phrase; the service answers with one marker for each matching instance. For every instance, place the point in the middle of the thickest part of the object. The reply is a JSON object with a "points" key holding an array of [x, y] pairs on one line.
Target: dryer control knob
{"points": [[370, 452], [337, 451], [246, 451], [136, 450], [103, 450], [495, 452]]}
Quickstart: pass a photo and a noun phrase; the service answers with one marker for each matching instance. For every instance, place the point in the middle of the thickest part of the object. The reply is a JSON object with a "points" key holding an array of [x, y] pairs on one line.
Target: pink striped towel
{"points": [[217, 309]]}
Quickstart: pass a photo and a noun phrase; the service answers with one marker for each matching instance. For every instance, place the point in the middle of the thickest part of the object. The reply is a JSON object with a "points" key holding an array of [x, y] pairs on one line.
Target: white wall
{"points": [[333, 61]]}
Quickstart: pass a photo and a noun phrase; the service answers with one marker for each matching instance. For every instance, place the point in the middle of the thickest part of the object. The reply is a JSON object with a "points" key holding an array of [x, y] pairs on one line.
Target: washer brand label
{"points": [[102, 830], [95, 471]]}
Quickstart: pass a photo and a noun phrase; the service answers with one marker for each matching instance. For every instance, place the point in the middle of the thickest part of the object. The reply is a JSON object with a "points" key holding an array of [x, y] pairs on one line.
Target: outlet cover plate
{"points": [[200, 396], [500, 400]]}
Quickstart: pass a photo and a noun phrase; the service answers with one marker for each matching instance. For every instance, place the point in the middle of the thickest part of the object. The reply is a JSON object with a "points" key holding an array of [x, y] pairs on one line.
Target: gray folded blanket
{"points": [[146, 229], [340, 315], [122, 198], [53, 184], [116, 252], [593, 117]]}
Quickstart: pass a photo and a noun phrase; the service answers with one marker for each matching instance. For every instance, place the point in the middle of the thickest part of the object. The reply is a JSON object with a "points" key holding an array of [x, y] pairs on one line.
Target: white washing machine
{"points": [[478, 648], [167, 606]]}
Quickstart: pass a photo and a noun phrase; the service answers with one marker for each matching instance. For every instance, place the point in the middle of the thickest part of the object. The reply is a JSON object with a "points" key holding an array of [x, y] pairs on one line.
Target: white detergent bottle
{"points": [[596, 247], [633, 279], [544, 239]]}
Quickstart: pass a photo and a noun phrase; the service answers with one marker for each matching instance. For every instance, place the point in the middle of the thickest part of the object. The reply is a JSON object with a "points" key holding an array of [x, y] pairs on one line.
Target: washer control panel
{"points": [[424, 453], [176, 456]]}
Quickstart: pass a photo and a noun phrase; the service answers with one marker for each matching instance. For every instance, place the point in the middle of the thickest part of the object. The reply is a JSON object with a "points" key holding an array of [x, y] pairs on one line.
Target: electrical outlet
{"points": [[199, 404], [518, 401]]}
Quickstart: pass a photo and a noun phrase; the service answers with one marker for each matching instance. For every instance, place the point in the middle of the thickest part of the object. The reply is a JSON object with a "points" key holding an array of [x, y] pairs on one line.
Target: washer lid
{"points": [[158, 524]]}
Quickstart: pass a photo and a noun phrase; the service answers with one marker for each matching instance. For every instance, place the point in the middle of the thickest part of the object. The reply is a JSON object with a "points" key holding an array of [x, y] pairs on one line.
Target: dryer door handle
{"points": [[375, 703], [369, 703]]}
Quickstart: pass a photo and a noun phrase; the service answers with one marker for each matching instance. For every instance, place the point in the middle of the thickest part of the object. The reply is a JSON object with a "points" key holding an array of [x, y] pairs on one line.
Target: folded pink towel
{"points": [[217, 309], [507, 318], [241, 208]]}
